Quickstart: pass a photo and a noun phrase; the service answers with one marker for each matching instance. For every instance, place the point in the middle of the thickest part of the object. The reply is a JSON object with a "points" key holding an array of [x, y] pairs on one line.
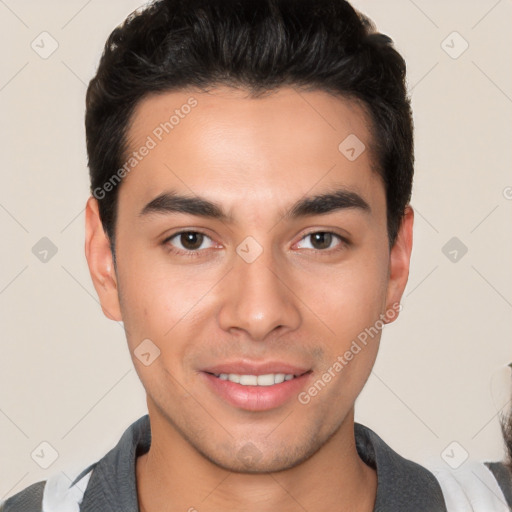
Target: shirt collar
{"points": [[402, 485]]}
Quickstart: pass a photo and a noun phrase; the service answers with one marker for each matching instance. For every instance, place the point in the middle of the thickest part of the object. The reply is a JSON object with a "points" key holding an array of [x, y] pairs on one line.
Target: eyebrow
{"points": [[322, 204]]}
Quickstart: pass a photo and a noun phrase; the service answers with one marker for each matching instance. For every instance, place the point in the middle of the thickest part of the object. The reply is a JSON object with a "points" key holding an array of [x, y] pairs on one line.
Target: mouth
{"points": [[253, 388], [268, 379]]}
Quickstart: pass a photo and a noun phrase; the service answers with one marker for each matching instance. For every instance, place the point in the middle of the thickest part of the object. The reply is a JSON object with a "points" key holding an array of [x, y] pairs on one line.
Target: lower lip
{"points": [[256, 398]]}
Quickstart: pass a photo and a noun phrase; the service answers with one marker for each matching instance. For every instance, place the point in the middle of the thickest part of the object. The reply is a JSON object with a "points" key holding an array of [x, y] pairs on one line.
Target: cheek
{"points": [[350, 296], [158, 300]]}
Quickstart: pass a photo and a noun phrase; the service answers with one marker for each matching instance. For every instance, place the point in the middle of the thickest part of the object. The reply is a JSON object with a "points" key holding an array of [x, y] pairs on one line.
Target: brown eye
{"points": [[322, 240], [188, 242], [191, 240]]}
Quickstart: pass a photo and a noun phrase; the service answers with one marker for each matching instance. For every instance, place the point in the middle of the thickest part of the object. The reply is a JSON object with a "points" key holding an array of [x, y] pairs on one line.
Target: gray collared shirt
{"points": [[402, 486]]}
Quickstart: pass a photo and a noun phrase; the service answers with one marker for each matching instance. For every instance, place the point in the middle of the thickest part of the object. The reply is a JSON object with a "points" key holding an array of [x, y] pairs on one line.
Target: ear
{"points": [[399, 263], [99, 260]]}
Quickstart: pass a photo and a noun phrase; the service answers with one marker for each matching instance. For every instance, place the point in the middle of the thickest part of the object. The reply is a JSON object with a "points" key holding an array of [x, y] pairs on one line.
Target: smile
{"points": [[262, 392], [256, 380]]}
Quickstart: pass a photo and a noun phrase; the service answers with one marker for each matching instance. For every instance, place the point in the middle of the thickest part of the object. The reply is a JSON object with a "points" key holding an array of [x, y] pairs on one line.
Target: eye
{"points": [[187, 242], [322, 240], [192, 243]]}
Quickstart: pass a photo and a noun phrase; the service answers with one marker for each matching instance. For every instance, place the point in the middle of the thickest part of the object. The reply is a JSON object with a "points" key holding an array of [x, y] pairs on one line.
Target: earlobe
{"points": [[399, 263], [99, 260]]}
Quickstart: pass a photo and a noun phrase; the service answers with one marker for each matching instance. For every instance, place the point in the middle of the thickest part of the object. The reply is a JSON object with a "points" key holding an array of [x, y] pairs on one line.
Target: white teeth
{"points": [[256, 380], [279, 377], [266, 380], [248, 380]]}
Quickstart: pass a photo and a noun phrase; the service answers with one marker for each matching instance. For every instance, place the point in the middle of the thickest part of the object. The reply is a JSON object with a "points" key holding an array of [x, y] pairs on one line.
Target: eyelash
{"points": [[196, 253]]}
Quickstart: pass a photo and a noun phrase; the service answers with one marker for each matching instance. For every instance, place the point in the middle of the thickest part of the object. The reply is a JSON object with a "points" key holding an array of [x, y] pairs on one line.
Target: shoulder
{"points": [[472, 487], [111, 477], [503, 474], [27, 500], [402, 485], [60, 492]]}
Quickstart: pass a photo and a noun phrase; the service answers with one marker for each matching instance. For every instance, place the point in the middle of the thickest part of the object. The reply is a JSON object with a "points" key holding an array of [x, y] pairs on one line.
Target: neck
{"points": [[173, 476]]}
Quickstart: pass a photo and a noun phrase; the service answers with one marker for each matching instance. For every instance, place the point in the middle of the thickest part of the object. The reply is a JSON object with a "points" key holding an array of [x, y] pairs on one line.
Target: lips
{"points": [[256, 386]]}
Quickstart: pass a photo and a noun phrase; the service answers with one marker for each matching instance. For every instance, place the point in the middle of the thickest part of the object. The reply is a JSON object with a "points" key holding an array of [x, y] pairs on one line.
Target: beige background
{"points": [[66, 377]]}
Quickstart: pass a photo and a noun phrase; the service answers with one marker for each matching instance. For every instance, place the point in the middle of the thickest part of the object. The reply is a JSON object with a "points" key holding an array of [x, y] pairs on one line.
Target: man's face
{"points": [[259, 292]]}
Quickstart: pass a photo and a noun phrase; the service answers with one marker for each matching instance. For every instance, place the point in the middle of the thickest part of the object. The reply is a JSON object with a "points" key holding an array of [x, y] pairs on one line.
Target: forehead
{"points": [[225, 143]]}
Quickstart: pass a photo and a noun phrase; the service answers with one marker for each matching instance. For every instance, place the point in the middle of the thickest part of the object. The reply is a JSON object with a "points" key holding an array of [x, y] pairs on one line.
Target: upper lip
{"points": [[256, 368]]}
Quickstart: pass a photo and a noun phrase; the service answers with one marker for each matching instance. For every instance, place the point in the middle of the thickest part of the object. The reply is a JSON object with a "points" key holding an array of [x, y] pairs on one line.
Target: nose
{"points": [[258, 298]]}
